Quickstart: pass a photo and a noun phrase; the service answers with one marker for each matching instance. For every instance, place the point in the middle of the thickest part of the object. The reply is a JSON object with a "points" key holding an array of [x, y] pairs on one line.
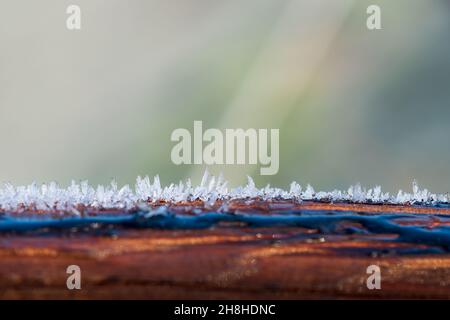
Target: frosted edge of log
{"points": [[51, 196]]}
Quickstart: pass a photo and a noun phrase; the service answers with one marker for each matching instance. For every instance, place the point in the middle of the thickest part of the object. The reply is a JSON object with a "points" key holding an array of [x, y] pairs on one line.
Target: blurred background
{"points": [[352, 105]]}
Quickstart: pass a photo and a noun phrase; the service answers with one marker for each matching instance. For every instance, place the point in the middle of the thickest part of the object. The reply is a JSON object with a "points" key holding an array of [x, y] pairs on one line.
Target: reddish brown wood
{"points": [[225, 262]]}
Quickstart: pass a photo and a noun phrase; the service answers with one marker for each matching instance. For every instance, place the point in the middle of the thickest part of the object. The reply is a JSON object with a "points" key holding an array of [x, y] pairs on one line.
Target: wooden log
{"points": [[231, 260]]}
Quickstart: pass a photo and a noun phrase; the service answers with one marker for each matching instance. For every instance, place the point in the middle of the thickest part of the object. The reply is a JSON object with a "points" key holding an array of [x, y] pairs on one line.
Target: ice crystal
{"points": [[52, 197]]}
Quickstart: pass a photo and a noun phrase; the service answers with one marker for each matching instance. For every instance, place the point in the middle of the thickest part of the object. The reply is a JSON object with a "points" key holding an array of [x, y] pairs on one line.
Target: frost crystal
{"points": [[52, 197]]}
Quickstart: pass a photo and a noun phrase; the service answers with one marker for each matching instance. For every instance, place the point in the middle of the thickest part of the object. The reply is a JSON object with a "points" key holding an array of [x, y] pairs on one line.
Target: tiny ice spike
{"points": [[52, 197]]}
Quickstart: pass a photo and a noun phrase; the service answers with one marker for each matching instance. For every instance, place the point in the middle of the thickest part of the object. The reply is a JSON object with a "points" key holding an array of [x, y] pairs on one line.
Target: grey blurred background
{"points": [[352, 105]]}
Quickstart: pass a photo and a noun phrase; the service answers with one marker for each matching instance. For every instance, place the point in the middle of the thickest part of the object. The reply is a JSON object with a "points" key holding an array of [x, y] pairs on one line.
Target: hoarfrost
{"points": [[52, 197]]}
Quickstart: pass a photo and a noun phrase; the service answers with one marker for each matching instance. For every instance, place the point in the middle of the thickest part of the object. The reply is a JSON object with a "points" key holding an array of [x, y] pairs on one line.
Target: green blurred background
{"points": [[352, 105]]}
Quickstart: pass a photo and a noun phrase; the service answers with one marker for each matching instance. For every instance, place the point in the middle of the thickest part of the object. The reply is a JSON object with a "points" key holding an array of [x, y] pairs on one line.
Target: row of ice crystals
{"points": [[53, 197]]}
